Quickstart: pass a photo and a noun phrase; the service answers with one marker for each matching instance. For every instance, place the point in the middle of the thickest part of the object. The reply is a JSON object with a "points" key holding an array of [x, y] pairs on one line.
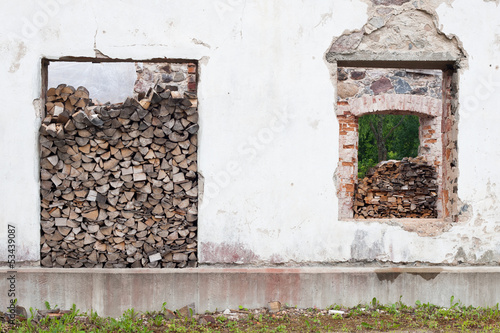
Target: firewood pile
{"points": [[398, 189], [119, 185]]}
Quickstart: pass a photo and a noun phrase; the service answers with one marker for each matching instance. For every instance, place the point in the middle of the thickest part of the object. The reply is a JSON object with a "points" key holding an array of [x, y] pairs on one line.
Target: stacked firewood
{"points": [[66, 99], [119, 185], [398, 189]]}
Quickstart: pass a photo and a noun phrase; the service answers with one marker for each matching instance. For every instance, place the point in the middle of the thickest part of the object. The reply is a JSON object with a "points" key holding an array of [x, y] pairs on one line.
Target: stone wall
{"points": [[179, 77], [387, 91], [358, 82]]}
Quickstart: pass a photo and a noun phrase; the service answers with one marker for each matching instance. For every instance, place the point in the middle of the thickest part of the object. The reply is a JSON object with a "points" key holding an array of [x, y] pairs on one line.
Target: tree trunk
{"points": [[378, 132], [382, 150]]}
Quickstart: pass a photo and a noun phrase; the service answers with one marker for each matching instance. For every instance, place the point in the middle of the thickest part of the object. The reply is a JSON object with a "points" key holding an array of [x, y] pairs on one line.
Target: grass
{"points": [[373, 317]]}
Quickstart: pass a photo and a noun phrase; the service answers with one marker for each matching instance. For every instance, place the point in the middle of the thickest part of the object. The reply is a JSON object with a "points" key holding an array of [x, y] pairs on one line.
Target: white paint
{"points": [[266, 115]]}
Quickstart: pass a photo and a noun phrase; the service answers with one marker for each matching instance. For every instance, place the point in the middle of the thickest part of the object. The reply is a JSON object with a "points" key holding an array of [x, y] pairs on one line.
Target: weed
{"points": [[158, 320], [373, 316], [221, 319], [164, 307]]}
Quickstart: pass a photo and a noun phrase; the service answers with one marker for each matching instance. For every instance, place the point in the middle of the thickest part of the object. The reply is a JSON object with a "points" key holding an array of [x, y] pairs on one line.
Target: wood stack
{"points": [[64, 100], [119, 184], [398, 189]]}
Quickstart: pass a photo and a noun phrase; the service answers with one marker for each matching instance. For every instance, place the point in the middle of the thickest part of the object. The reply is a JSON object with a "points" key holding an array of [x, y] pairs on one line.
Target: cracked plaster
{"points": [[243, 64]]}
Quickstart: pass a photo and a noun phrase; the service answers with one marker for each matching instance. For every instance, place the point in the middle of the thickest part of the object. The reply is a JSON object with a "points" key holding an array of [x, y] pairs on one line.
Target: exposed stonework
{"points": [[427, 108], [179, 77], [449, 134], [382, 85], [386, 90], [374, 81], [399, 31], [389, 2]]}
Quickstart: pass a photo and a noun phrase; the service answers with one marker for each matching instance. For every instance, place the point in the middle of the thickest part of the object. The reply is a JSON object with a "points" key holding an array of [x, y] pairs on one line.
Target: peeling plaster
{"points": [[227, 253], [334, 240], [199, 42], [361, 250], [39, 108], [399, 33], [426, 276], [460, 256], [389, 277], [406, 32], [21, 52]]}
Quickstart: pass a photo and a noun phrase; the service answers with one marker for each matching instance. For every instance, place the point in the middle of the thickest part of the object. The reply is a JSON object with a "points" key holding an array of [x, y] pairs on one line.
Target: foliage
{"points": [[399, 134]]}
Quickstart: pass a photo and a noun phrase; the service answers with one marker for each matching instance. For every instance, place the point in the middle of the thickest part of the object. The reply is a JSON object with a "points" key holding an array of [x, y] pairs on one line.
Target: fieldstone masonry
{"points": [[180, 77], [403, 33]]}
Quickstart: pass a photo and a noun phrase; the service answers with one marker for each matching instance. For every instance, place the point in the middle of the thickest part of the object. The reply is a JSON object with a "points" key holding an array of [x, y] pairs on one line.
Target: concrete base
{"points": [[112, 291]]}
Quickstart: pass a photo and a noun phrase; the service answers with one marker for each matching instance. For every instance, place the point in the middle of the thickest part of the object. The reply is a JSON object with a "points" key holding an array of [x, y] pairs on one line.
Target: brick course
{"points": [[435, 133]]}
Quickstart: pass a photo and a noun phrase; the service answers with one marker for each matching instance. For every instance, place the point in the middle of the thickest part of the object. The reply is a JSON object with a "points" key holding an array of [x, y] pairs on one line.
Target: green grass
{"points": [[372, 316]]}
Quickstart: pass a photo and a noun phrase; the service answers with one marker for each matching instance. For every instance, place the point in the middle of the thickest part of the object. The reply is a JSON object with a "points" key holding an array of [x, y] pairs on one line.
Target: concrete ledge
{"points": [[111, 291]]}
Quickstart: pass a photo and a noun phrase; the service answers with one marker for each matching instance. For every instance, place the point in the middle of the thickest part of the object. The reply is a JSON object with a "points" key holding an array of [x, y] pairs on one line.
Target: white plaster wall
{"points": [[268, 138]]}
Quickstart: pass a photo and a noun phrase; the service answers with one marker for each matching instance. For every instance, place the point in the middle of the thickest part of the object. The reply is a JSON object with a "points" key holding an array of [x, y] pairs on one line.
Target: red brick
{"points": [[349, 188]]}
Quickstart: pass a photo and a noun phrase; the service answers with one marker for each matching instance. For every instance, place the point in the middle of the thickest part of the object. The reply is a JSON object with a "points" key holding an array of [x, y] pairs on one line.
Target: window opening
{"points": [[402, 178], [118, 180], [385, 137]]}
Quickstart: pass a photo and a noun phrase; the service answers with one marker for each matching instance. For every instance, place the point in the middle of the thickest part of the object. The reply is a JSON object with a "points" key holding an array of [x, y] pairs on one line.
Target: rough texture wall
{"points": [[449, 130], [358, 82], [266, 102], [179, 77], [362, 91], [404, 31]]}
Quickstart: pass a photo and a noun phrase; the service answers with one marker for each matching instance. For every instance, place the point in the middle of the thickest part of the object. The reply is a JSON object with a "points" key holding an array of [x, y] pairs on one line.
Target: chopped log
{"points": [[118, 182], [398, 189]]}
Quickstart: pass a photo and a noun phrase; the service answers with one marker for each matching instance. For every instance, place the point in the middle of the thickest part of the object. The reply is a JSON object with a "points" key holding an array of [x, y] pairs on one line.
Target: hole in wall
{"points": [[392, 181], [349, 57], [119, 182], [407, 182], [385, 137], [106, 82]]}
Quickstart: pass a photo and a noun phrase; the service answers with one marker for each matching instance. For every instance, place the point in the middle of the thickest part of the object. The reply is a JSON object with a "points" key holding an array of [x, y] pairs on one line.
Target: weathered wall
{"points": [[269, 134], [361, 91]]}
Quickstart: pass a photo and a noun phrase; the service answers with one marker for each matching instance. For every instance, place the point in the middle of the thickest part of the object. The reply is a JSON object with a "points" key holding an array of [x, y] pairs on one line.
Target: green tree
{"points": [[383, 137]]}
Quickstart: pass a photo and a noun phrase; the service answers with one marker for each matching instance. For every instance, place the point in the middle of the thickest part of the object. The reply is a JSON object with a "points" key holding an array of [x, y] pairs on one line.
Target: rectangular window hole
{"points": [[118, 165]]}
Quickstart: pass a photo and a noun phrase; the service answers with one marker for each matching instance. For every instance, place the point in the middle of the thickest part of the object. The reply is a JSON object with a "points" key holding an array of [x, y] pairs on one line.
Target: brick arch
{"points": [[428, 109], [409, 104]]}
